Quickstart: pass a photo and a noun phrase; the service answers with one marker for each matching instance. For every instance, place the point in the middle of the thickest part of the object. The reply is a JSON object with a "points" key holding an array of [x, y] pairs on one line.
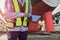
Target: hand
{"points": [[25, 15], [1, 23], [9, 25], [2, 26]]}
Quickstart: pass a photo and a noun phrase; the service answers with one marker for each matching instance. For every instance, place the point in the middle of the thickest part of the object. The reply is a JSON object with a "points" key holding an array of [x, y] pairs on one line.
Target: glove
{"points": [[9, 25], [2, 26]]}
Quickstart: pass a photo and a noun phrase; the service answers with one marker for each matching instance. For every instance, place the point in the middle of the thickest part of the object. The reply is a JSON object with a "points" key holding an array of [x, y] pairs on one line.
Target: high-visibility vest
{"points": [[17, 9]]}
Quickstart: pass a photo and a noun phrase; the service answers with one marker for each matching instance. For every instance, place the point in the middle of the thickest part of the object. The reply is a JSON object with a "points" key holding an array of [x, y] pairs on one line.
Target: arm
{"points": [[9, 10], [30, 11], [30, 8], [13, 14]]}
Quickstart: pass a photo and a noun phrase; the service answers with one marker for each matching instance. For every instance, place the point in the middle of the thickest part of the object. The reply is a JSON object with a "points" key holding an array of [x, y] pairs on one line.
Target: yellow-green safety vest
{"points": [[17, 9]]}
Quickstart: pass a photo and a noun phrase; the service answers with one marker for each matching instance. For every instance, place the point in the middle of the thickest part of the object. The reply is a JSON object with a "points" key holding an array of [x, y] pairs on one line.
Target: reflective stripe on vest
{"points": [[17, 9]]}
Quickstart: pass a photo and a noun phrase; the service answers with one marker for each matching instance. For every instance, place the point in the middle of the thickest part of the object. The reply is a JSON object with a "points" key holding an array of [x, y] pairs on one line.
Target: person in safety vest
{"points": [[17, 12]]}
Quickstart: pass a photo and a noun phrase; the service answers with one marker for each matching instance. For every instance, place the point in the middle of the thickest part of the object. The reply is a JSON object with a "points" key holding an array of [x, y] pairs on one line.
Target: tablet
{"points": [[35, 18]]}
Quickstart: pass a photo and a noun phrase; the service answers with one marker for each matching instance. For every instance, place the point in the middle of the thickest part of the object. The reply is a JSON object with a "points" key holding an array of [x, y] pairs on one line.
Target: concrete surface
{"points": [[53, 36]]}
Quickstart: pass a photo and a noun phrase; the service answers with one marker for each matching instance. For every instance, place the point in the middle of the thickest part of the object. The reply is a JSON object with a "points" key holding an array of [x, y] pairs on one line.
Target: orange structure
{"points": [[45, 11]]}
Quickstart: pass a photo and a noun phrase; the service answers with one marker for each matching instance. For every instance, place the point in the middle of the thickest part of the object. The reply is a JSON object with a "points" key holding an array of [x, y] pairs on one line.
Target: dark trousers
{"points": [[19, 35]]}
